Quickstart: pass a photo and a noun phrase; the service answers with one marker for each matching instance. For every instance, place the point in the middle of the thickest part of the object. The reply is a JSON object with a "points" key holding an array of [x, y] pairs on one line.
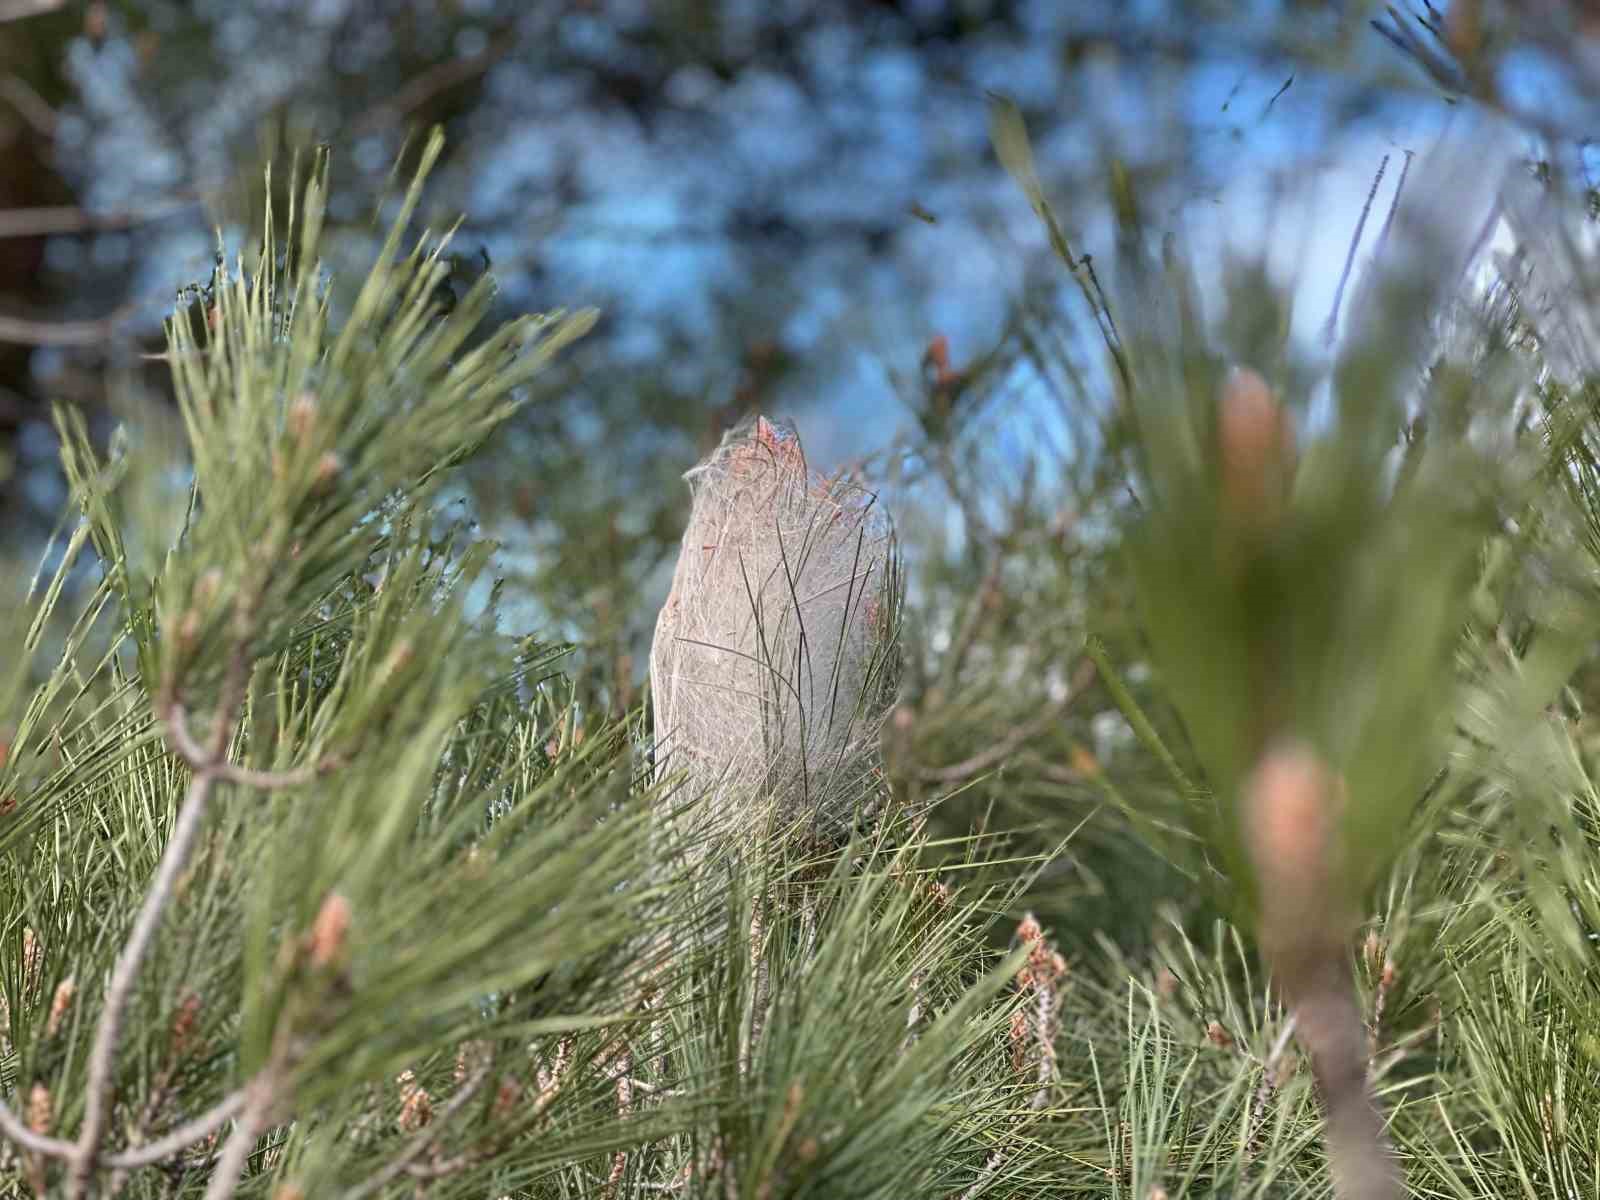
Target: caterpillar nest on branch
{"points": [[775, 658]]}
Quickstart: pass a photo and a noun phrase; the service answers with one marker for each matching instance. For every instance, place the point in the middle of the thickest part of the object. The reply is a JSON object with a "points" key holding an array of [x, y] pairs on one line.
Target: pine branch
{"points": [[191, 815]]}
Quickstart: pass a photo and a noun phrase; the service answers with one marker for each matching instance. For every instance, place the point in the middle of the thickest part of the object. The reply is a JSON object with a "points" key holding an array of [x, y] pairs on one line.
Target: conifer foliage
{"points": [[1218, 818], [321, 883]]}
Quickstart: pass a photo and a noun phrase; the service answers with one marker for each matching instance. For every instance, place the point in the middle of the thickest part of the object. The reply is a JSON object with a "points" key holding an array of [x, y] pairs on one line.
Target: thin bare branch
{"points": [[984, 1176], [1013, 741], [31, 106], [236, 1150], [102, 1058], [16, 10], [52, 220], [184, 1136], [22, 331], [1360, 1155], [181, 740], [185, 831], [192, 752], [440, 77], [37, 1143]]}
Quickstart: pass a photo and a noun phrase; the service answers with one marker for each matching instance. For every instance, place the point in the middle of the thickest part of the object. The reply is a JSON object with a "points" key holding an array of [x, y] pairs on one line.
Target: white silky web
{"points": [[775, 655]]}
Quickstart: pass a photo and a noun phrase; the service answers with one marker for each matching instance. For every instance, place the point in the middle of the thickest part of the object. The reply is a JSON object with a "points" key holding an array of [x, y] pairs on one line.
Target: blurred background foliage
{"points": [[796, 208]]}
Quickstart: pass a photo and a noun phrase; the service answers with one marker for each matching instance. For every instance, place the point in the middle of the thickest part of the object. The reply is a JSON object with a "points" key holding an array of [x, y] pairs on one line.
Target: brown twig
{"points": [[619, 1162], [31, 106], [440, 77], [1013, 741], [261, 1095], [22, 331], [187, 748], [102, 1058], [550, 1081], [1359, 1154], [52, 220], [16, 10], [17, 1130], [1291, 809], [181, 1138], [185, 831], [758, 998], [990, 1167]]}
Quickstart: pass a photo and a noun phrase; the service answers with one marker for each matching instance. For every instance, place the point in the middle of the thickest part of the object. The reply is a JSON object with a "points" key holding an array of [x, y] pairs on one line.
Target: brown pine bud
{"points": [[188, 631], [329, 930], [1291, 813], [32, 959], [1218, 1036], [1019, 1039], [506, 1098], [1255, 445], [301, 417], [206, 587], [416, 1106], [184, 1022], [399, 658], [60, 1003], [329, 467]]}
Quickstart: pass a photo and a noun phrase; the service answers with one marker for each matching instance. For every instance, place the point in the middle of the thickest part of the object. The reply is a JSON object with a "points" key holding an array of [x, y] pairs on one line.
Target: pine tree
{"points": [[1228, 827], [320, 882]]}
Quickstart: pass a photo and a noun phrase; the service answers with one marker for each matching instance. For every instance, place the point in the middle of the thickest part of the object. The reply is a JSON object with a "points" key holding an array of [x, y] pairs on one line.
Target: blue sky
{"points": [[582, 202]]}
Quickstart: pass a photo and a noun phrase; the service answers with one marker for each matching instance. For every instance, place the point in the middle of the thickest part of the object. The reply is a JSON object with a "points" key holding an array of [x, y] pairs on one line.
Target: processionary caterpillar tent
{"points": [[775, 656]]}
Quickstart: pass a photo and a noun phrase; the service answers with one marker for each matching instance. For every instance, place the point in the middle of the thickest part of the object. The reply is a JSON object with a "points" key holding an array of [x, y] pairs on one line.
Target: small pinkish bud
{"points": [[301, 417], [60, 1004], [188, 629], [329, 467], [1290, 817], [206, 587], [184, 1022], [1256, 452], [329, 930]]}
